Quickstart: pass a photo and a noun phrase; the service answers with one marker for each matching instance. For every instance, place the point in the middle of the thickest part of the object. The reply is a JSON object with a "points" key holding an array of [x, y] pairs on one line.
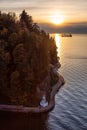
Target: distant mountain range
{"points": [[79, 28]]}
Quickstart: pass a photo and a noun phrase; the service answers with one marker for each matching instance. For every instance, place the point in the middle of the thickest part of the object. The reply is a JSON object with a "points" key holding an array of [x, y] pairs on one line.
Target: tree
{"points": [[25, 18], [25, 55], [19, 55], [36, 28], [53, 52], [3, 74]]}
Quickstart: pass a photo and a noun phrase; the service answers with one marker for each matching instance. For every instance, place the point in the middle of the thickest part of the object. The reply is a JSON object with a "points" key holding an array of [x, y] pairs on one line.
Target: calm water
{"points": [[70, 112]]}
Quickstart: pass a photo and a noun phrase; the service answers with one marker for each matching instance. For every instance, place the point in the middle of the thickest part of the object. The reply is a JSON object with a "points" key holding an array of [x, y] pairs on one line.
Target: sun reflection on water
{"points": [[57, 40]]}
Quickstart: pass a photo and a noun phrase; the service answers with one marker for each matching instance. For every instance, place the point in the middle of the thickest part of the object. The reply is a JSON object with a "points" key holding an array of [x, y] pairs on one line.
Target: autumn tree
{"points": [[25, 54]]}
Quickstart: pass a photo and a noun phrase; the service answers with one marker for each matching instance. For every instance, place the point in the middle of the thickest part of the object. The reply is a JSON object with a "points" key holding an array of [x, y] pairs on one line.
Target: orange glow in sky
{"points": [[51, 12], [57, 19], [40, 10]]}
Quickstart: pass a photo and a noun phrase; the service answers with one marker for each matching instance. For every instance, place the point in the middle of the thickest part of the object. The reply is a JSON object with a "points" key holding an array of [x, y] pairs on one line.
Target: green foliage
{"points": [[25, 55]]}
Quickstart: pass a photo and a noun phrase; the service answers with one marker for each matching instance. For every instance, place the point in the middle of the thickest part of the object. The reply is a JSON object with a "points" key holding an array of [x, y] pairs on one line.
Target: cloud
{"points": [[41, 10]]}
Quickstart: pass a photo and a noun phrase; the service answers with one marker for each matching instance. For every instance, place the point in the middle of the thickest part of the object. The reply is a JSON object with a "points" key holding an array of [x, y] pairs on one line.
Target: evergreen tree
{"points": [[25, 55], [25, 18]]}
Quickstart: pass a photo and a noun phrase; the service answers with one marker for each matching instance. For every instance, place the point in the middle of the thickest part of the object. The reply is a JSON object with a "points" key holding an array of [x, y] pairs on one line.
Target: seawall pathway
{"points": [[39, 109]]}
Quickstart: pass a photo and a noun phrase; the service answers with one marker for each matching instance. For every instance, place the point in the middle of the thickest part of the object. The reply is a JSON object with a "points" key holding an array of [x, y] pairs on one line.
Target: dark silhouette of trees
{"points": [[25, 55], [26, 19], [53, 52]]}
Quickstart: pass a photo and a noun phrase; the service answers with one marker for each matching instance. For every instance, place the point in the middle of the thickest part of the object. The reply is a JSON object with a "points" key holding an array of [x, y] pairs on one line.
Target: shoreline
{"points": [[39, 109]]}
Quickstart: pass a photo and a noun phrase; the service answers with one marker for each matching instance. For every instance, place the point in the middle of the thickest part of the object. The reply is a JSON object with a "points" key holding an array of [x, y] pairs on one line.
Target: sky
{"points": [[74, 13]]}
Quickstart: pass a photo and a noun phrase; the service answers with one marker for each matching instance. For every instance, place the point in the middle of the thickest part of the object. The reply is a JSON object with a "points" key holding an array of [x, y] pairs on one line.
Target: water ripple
{"points": [[70, 111]]}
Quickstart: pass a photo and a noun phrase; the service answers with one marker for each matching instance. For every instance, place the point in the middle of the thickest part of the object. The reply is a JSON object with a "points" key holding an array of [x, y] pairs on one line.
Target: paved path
{"points": [[22, 109]]}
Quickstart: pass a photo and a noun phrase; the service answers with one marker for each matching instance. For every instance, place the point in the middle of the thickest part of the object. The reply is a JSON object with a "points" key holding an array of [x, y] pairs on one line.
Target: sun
{"points": [[57, 19]]}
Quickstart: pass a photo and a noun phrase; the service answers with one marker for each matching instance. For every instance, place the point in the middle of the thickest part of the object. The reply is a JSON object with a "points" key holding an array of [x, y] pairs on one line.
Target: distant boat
{"points": [[66, 35]]}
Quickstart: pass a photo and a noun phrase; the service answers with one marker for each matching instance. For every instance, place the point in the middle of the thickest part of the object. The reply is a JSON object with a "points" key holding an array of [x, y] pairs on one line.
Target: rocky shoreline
{"points": [[39, 109]]}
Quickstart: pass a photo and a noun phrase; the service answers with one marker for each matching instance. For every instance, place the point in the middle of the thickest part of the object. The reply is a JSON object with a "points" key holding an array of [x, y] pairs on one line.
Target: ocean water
{"points": [[70, 112]]}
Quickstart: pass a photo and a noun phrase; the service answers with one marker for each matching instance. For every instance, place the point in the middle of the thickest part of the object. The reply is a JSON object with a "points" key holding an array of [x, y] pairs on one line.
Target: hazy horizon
{"points": [[42, 11], [75, 28]]}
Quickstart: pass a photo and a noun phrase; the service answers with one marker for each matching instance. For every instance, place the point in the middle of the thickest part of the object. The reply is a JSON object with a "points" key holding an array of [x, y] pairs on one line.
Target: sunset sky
{"points": [[73, 12]]}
